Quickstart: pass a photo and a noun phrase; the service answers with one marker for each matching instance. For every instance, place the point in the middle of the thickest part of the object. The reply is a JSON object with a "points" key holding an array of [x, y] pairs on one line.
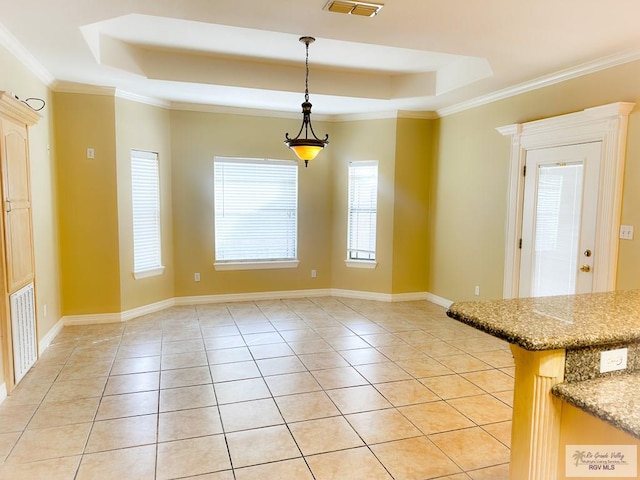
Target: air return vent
{"points": [[362, 9]]}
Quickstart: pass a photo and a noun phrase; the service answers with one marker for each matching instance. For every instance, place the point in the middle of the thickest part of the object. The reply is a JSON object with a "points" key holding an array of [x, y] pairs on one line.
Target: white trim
{"points": [[134, 97], [251, 296], [11, 43], [606, 124], [69, 87], [443, 302], [368, 264], [3, 392], [48, 338], [544, 81], [241, 297], [253, 112], [381, 297], [146, 309], [153, 272], [423, 115], [92, 319], [256, 265], [409, 297]]}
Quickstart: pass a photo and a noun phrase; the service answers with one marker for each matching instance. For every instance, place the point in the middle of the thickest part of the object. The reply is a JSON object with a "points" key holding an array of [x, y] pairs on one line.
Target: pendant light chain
{"points": [[306, 78]]}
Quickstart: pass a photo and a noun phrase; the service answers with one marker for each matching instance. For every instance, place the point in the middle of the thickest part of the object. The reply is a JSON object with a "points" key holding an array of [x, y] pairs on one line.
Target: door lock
{"points": [[587, 253], [585, 268]]}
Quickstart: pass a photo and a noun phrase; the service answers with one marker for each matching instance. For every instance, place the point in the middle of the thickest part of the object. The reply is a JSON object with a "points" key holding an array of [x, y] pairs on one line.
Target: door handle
{"points": [[585, 268]]}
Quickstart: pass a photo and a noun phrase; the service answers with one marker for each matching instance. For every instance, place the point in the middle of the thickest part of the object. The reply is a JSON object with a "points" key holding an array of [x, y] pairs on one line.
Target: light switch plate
{"points": [[612, 360]]}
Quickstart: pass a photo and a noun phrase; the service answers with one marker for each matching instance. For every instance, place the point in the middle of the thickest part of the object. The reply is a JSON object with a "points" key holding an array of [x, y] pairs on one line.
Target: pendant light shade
{"points": [[306, 148]]}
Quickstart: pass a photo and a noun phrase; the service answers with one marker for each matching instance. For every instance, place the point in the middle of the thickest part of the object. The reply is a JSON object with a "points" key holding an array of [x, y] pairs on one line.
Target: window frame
{"points": [[157, 268], [351, 262], [255, 264]]}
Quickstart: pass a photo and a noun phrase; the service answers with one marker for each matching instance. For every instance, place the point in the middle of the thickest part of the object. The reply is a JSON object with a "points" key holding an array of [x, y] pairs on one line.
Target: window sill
{"points": [[368, 264], [154, 272], [256, 265]]}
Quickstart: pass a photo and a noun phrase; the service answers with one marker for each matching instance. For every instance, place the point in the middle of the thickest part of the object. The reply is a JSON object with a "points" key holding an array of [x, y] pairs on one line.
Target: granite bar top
{"points": [[612, 399], [562, 322]]}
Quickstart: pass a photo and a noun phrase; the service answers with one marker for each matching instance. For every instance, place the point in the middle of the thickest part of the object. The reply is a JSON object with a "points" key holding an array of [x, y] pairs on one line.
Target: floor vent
{"points": [[23, 329]]}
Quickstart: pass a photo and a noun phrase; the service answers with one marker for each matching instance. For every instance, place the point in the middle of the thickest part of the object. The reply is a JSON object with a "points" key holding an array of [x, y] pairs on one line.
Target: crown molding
{"points": [[70, 87], [134, 97], [253, 112], [11, 43], [544, 81], [428, 115]]}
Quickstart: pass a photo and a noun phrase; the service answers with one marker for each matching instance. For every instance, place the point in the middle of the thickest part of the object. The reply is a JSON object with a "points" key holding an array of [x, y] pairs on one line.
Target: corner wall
{"points": [[358, 141], [148, 128], [413, 159], [88, 203]]}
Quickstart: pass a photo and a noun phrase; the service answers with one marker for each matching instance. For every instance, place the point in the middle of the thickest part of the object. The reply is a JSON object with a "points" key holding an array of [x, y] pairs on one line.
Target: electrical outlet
{"points": [[91, 153], [626, 232], [477, 290], [314, 274], [196, 277], [612, 360]]}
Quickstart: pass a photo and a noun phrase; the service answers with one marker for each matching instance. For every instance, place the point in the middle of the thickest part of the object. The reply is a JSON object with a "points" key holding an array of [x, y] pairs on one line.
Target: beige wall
{"points": [[358, 141], [14, 77], [148, 128], [469, 182], [196, 138], [87, 199], [413, 160]]}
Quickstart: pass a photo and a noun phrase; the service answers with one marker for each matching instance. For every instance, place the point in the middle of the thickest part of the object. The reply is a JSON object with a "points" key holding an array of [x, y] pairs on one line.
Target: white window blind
{"points": [[145, 190], [256, 209], [363, 201]]}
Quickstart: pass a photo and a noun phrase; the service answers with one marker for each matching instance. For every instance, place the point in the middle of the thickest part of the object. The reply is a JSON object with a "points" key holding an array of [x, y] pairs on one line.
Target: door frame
{"points": [[606, 124]]}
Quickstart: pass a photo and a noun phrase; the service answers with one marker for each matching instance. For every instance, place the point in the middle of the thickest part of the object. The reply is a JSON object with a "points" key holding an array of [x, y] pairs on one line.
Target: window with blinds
{"points": [[363, 202], [256, 210], [145, 193]]}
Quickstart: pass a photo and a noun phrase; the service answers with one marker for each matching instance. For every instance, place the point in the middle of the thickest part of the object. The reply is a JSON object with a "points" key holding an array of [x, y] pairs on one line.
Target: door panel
{"points": [[559, 220], [17, 207]]}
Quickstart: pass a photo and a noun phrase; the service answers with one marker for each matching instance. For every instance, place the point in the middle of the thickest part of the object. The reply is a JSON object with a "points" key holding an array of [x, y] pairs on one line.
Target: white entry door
{"points": [[559, 220]]}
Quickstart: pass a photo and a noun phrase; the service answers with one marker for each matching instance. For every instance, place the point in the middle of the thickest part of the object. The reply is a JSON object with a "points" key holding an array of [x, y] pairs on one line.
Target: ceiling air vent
{"points": [[362, 9]]}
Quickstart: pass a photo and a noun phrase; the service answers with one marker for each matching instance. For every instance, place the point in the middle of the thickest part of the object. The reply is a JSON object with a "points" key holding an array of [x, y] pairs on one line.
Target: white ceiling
{"points": [[415, 55]]}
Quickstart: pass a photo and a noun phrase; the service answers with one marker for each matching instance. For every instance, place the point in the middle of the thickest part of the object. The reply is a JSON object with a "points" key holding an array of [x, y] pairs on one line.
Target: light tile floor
{"points": [[318, 388]]}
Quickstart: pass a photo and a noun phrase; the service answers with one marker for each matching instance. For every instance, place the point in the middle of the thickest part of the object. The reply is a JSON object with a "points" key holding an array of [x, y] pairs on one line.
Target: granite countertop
{"points": [[562, 322], [612, 399]]}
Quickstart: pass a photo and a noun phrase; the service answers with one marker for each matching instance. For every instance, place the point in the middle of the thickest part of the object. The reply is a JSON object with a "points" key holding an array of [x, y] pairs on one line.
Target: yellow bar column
{"points": [[535, 436]]}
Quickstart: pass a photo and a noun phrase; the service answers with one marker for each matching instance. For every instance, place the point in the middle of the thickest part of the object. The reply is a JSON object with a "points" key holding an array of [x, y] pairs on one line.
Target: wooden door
{"points": [[17, 206], [16, 237]]}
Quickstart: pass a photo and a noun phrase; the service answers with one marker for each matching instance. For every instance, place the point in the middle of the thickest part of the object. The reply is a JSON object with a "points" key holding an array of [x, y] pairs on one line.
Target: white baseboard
{"points": [[443, 302], [92, 319], [357, 294], [244, 297], [410, 297], [251, 296], [3, 392], [48, 338], [146, 309]]}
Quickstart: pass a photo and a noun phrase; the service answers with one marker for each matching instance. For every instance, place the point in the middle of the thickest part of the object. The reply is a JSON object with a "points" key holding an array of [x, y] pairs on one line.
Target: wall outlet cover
{"points": [[612, 360]]}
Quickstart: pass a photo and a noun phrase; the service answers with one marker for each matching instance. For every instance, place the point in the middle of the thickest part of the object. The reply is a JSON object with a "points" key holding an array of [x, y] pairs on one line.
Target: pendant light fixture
{"points": [[306, 148]]}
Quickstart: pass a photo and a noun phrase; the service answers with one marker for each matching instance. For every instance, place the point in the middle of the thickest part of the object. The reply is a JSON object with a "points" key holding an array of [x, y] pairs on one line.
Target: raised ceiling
{"points": [[414, 55]]}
